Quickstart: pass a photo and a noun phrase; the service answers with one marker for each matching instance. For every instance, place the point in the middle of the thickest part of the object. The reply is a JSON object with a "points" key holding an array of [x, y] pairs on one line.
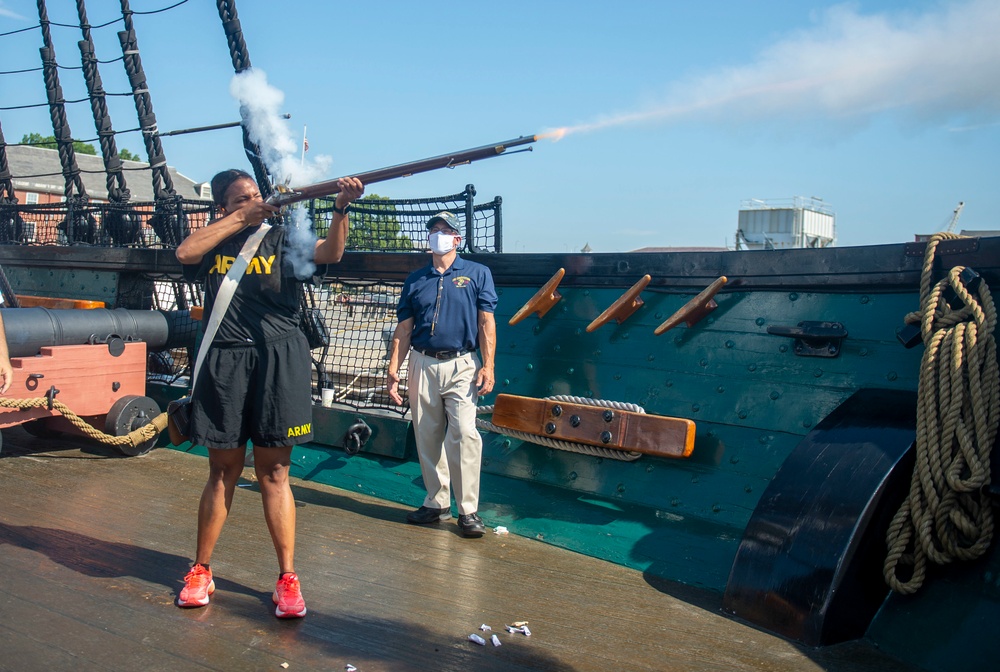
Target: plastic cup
{"points": [[328, 396]]}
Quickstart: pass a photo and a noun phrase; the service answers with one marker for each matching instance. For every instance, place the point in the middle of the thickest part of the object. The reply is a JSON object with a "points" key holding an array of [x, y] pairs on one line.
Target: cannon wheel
{"points": [[128, 413], [40, 429]]}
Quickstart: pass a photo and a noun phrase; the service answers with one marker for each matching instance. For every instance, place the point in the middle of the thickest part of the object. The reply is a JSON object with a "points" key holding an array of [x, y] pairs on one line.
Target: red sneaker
{"points": [[198, 585], [288, 597]]}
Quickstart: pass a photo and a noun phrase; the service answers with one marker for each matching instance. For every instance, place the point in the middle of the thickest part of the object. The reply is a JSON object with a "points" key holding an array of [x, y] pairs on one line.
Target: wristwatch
{"points": [[341, 211]]}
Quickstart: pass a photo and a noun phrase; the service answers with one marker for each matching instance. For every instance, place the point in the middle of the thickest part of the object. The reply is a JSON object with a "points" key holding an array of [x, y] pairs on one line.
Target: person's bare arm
{"points": [[6, 370], [330, 250], [397, 353], [487, 348], [205, 239]]}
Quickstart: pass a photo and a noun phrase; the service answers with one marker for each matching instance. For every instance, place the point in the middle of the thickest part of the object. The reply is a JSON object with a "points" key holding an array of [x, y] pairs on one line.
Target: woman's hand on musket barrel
{"points": [[330, 250], [351, 190]]}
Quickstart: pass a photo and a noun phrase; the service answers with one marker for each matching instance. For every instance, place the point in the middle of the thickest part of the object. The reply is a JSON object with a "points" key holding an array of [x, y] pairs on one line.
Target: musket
{"points": [[286, 196]]}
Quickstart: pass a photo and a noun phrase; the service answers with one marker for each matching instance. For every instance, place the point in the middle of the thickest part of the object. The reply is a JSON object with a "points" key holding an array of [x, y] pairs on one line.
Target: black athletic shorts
{"points": [[258, 392]]}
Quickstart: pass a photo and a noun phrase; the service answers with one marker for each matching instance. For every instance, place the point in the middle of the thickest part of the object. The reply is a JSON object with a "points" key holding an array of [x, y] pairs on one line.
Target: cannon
{"points": [[93, 361]]}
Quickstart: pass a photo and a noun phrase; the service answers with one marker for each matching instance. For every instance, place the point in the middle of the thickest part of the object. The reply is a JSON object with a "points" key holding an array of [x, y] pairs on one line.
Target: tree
{"points": [[370, 230], [376, 230], [49, 142]]}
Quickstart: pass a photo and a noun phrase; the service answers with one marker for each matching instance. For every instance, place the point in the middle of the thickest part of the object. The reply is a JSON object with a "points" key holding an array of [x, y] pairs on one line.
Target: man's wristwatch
{"points": [[341, 211]]}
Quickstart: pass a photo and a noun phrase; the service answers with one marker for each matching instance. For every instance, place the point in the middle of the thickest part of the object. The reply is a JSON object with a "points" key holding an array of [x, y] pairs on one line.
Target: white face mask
{"points": [[441, 243]]}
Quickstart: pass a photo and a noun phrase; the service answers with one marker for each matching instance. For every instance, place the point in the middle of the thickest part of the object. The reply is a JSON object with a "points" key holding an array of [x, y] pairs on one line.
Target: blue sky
{"points": [[679, 111]]}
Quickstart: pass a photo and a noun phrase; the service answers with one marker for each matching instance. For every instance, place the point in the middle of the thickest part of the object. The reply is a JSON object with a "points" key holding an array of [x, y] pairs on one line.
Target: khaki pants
{"points": [[443, 407]]}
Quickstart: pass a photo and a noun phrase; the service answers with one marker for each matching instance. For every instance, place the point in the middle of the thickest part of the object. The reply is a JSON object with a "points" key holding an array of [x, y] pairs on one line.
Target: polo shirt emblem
{"points": [[461, 281]]}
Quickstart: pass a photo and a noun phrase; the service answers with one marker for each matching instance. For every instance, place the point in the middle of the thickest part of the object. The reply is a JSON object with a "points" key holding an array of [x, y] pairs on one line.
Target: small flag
{"points": [[305, 145]]}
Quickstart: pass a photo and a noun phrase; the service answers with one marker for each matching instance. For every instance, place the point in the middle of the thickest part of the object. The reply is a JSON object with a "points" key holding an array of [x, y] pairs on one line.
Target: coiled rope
{"points": [[570, 446], [135, 438], [947, 515]]}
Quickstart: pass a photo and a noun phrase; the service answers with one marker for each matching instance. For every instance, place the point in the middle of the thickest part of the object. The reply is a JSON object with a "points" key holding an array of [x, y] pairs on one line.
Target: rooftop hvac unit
{"points": [[782, 224]]}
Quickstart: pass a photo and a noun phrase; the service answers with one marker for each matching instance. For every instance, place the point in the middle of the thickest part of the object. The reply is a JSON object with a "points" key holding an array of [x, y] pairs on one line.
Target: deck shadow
{"points": [[333, 500], [403, 644], [18, 442], [106, 559]]}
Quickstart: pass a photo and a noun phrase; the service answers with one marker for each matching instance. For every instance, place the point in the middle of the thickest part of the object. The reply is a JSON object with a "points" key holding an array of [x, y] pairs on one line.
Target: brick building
{"points": [[37, 177]]}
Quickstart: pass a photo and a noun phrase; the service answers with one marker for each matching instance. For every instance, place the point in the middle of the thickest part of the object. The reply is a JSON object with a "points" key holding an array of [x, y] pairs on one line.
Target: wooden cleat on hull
{"points": [[596, 425]]}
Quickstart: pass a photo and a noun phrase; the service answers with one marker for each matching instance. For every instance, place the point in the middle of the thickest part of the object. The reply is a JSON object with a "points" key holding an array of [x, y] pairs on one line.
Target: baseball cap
{"points": [[448, 218]]}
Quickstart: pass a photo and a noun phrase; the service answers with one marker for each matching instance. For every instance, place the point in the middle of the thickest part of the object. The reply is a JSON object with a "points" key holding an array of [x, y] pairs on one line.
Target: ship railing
{"points": [[358, 313]]}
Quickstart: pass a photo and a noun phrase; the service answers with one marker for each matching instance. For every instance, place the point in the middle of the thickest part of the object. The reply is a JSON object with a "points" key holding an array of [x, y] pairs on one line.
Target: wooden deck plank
{"points": [[92, 550]]}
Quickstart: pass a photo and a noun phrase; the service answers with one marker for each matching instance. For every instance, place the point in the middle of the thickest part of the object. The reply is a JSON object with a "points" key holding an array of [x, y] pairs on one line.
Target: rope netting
{"points": [[135, 224], [358, 313]]}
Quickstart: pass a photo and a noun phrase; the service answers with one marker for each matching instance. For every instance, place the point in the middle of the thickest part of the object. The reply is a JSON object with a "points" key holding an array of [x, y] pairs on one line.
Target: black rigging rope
{"points": [[43, 145], [157, 11], [117, 188], [71, 25], [74, 189], [6, 186], [241, 61], [79, 170], [65, 102], [163, 186], [169, 221], [19, 30], [61, 67], [102, 25]]}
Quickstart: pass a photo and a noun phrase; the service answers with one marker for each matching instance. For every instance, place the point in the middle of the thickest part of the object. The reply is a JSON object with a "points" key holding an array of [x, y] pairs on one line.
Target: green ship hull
{"points": [[803, 447]]}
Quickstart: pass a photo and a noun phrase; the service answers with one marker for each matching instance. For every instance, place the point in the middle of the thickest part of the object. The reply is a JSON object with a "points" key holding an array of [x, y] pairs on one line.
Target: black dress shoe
{"points": [[425, 515], [471, 525]]}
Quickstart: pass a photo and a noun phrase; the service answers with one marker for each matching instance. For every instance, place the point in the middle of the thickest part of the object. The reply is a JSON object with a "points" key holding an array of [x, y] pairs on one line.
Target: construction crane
{"points": [[950, 228]]}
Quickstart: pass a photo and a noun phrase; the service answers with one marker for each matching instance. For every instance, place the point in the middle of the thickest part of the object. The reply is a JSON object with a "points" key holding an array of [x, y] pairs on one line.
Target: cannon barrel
{"points": [[31, 329]]}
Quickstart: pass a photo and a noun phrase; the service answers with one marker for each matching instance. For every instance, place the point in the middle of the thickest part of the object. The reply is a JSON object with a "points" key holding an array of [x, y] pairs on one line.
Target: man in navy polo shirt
{"points": [[445, 313]]}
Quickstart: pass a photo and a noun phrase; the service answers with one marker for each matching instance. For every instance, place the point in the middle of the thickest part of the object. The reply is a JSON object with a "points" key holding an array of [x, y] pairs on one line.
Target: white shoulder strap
{"points": [[225, 295]]}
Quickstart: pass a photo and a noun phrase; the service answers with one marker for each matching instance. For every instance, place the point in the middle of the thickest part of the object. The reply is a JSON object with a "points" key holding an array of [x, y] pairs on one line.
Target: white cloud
{"points": [[932, 67]]}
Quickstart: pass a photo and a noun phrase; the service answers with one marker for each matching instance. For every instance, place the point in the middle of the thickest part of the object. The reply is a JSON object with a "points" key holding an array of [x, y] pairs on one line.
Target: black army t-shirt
{"points": [[266, 303]]}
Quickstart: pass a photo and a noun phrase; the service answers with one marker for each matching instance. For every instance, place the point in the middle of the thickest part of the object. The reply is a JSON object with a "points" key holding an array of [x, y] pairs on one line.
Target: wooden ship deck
{"points": [[94, 547]]}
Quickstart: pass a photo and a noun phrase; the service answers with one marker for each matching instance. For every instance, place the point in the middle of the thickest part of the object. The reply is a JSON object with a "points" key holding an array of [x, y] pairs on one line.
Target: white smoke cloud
{"points": [[9, 13], [260, 107], [937, 67], [301, 241]]}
